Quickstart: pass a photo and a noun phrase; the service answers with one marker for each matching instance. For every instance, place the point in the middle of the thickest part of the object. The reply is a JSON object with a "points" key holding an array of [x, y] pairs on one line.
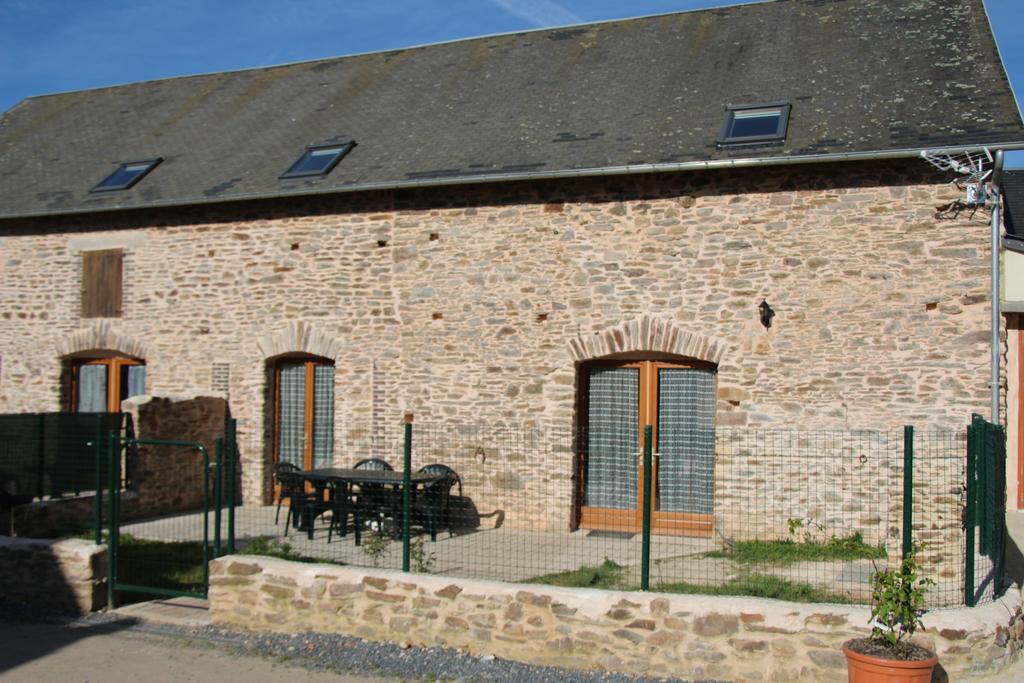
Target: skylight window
{"points": [[126, 175], [318, 160], [755, 123]]}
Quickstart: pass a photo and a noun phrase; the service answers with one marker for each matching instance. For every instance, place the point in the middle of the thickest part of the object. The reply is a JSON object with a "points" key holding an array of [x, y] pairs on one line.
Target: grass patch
{"points": [[161, 564], [758, 586], [850, 547], [272, 547], [608, 574]]}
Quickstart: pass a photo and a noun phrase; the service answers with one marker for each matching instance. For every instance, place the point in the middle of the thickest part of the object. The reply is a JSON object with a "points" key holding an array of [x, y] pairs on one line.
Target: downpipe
{"points": [[996, 194]]}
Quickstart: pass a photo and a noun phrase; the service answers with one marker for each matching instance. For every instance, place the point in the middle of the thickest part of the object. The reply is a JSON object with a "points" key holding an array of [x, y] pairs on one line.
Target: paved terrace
{"points": [[517, 555]]}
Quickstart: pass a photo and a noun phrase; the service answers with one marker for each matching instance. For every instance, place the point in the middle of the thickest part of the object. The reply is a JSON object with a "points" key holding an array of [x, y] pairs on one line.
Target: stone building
{"points": [[704, 219], [1012, 306]]}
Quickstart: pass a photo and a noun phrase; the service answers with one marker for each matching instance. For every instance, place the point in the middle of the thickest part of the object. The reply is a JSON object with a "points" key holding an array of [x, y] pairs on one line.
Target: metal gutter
{"points": [[479, 179]]}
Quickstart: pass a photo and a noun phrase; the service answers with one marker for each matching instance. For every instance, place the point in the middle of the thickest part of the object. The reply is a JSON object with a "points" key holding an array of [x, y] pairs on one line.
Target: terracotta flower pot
{"points": [[867, 669]]}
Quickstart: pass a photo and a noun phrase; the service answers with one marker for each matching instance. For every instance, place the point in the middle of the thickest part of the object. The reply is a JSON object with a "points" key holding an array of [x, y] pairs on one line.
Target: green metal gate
{"points": [[985, 511], [167, 556]]}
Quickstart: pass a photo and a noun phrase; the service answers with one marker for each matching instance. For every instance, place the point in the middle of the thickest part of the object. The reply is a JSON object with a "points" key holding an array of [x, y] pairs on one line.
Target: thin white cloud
{"points": [[539, 12]]}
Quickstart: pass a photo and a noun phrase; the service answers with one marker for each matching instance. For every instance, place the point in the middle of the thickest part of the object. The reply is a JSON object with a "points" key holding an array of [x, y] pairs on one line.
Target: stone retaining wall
{"points": [[743, 639], [67, 576]]}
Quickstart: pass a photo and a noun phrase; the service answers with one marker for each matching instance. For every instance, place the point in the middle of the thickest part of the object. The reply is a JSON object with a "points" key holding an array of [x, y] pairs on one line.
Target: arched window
{"points": [[618, 398], [304, 411], [98, 385]]}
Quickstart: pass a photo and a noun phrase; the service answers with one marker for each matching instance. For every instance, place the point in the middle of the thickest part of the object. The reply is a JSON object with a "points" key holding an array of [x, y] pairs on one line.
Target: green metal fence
{"points": [[175, 562], [55, 457], [984, 512], [800, 515]]}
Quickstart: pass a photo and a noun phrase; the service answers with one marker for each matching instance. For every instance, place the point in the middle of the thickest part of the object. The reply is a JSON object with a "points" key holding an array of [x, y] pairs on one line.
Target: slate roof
{"points": [[650, 94]]}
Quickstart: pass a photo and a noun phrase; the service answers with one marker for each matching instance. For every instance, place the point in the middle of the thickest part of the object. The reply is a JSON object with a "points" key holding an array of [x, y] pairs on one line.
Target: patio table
{"points": [[348, 476]]}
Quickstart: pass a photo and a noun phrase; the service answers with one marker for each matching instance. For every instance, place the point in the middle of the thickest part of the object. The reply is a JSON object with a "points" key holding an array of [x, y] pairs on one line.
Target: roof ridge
{"points": [[418, 46]]}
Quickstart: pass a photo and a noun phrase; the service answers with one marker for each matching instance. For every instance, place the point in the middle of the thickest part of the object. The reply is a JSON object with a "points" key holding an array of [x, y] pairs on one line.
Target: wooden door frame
{"points": [[611, 519], [310, 363], [115, 367]]}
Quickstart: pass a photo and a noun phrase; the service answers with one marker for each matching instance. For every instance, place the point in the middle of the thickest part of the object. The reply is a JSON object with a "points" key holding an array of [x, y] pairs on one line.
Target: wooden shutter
{"points": [[101, 283]]}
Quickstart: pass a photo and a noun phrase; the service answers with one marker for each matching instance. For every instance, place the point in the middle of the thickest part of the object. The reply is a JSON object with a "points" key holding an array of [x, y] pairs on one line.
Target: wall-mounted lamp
{"points": [[766, 313]]}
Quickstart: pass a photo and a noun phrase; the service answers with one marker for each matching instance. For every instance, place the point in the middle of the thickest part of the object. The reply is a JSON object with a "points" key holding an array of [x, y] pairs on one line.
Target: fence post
{"points": [[999, 512], [41, 459], [645, 552], [98, 443], [218, 497], [407, 493], [908, 490], [972, 450], [112, 467], [232, 453], [982, 503]]}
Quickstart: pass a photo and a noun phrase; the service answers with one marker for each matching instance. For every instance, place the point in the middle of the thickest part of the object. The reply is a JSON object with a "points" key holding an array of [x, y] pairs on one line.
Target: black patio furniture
{"points": [[376, 502], [301, 504], [374, 464], [433, 503], [362, 507], [341, 505]]}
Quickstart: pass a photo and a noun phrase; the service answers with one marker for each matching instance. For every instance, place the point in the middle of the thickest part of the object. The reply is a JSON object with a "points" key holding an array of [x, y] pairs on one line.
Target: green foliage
{"points": [[272, 547], [422, 558], [606, 575], [161, 564], [759, 586], [897, 599], [850, 547], [375, 545]]}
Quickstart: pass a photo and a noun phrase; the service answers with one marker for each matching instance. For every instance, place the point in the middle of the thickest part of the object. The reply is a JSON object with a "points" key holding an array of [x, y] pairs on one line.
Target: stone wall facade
{"points": [[68, 576], [478, 305], [165, 479], [741, 639]]}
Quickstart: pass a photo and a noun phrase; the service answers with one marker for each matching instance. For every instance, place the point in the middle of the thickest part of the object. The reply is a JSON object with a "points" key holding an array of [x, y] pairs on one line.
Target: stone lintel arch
{"points": [[299, 337], [647, 335], [100, 337]]}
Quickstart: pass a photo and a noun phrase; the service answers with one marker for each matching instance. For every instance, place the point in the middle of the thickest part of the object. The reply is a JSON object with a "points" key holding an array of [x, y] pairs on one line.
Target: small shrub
{"points": [[897, 600], [422, 559], [375, 545]]}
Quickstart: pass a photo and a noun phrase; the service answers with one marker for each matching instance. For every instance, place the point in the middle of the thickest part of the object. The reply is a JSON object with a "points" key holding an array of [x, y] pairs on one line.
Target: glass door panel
{"points": [[323, 415], [611, 438], [685, 441], [91, 388], [291, 415]]}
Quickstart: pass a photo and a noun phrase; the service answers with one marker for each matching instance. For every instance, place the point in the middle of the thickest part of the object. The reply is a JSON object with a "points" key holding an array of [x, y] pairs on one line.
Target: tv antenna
{"points": [[972, 169]]}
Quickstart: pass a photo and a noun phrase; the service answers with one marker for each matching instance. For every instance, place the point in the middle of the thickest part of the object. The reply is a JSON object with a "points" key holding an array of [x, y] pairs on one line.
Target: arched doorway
{"points": [[303, 410], [617, 399]]}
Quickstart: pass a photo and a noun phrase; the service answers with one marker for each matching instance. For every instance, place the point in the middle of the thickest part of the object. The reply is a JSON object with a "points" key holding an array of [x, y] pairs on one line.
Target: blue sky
{"points": [[56, 45]]}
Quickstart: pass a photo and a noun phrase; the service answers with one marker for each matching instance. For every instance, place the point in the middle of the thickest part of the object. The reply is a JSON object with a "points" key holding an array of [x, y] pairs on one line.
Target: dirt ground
{"points": [[49, 653]]}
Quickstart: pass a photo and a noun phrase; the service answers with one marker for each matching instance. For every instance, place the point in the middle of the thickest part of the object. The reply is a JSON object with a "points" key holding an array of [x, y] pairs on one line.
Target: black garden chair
{"points": [[374, 502], [293, 487], [342, 504], [433, 503]]}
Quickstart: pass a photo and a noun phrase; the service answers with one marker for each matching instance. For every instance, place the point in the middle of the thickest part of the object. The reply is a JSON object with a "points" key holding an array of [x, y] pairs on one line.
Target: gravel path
{"points": [[336, 653]]}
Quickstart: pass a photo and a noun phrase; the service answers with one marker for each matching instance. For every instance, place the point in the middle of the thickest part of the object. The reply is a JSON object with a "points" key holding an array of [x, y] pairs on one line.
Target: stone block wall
{"points": [[68, 576], [477, 305], [725, 638], [166, 479]]}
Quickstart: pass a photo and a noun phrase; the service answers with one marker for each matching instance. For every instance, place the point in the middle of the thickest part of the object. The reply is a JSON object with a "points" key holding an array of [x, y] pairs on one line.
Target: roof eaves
{"points": [[638, 169]]}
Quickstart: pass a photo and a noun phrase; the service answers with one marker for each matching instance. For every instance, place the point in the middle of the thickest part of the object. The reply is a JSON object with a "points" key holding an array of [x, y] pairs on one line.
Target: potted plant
{"points": [[897, 604]]}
